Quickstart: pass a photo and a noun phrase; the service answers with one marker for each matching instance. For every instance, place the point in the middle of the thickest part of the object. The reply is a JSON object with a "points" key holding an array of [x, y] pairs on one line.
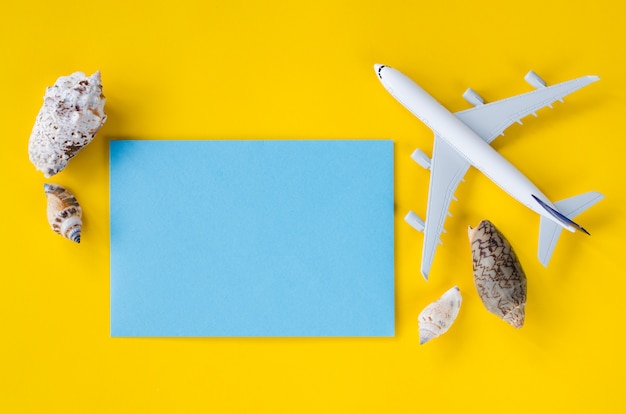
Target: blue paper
{"points": [[252, 238]]}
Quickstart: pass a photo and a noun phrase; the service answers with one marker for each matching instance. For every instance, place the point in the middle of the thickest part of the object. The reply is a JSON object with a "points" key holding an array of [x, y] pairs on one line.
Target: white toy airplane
{"points": [[462, 139]]}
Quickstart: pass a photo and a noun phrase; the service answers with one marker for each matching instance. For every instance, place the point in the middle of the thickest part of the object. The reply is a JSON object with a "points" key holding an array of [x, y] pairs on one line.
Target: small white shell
{"points": [[64, 212], [498, 274], [437, 317], [72, 113]]}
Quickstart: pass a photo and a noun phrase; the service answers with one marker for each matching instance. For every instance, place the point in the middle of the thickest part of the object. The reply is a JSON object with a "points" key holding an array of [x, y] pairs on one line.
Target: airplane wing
{"points": [[447, 170], [490, 120]]}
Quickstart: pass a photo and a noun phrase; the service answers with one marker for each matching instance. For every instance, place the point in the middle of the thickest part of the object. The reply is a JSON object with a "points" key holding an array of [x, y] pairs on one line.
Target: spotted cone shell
{"points": [[437, 317], [71, 115], [498, 275], [64, 212]]}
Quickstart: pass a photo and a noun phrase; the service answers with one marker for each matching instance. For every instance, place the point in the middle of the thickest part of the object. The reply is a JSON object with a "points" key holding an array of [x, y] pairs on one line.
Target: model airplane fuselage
{"points": [[463, 139]]}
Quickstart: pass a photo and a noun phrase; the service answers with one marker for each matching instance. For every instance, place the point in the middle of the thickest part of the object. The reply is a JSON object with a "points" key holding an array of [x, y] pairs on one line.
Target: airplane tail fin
{"points": [[549, 231]]}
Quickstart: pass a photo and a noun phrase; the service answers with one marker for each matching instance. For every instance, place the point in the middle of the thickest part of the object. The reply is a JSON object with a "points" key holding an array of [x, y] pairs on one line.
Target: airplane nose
{"points": [[378, 68]]}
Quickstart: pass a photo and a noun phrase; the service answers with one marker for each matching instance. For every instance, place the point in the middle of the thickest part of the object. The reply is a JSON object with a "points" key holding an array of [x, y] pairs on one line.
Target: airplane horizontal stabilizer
{"points": [[567, 222], [549, 231]]}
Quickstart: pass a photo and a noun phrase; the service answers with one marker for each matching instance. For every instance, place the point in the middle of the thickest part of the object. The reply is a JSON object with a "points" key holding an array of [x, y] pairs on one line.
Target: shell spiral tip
{"points": [[75, 237]]}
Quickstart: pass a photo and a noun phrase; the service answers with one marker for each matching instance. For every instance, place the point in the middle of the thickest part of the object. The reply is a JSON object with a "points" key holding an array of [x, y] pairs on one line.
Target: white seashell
{"points": [[498, 275], [71, 115], [437, 317], [64, 212]]}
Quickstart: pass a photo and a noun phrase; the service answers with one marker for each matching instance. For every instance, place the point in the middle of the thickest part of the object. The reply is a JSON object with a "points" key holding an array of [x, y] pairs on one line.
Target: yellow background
{"points": [[275, 69]]}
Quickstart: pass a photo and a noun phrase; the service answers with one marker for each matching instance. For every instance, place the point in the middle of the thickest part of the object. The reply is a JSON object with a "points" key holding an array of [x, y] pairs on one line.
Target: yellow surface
{"points": [[278, 69]]}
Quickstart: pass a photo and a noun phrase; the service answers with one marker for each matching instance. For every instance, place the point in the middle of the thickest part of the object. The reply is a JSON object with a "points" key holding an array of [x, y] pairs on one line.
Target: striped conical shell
{"points": [[64, 212]]}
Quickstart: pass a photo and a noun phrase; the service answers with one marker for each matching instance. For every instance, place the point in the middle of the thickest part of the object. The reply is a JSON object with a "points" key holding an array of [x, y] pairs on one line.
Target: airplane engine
{"points": [[472, 97], [415, 221], [421, 158], [534, 80]]}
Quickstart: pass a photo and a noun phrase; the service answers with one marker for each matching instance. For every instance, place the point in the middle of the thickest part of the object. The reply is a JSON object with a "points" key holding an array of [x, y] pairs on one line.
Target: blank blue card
{"points": [[252, 238]]}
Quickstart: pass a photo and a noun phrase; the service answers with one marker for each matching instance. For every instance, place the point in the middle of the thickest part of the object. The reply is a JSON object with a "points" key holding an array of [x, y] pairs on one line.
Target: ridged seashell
{"points": [[72, 113], [64, 212], [437, 317], [498, 275]]}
